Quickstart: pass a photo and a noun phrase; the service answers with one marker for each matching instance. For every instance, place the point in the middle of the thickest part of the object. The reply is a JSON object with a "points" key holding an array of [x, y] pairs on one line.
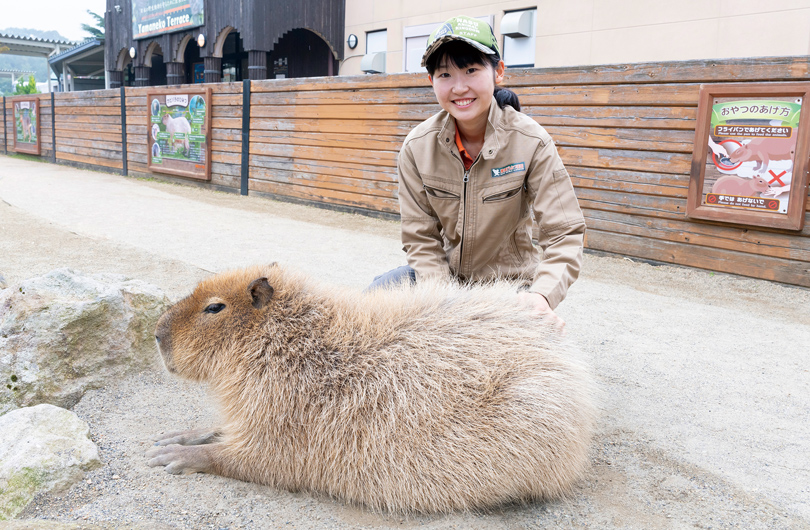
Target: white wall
{"points": [[581, 32]]}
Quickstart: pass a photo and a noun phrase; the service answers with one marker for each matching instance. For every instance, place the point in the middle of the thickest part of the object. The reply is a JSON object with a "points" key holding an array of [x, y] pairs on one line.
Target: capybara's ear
{"points": [[261, 292]]}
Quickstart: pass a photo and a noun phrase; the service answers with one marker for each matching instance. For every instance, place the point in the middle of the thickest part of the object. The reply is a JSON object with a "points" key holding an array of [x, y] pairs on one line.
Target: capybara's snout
{"points": [[163, 338]]}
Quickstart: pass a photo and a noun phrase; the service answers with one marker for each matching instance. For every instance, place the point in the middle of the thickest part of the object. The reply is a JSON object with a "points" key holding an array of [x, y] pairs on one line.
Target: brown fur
{"points": [[428, 399], [745, 187]]}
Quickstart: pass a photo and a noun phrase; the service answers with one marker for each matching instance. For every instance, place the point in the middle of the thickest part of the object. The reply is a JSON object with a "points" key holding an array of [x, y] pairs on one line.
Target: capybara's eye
{"points": [[214, 308]]}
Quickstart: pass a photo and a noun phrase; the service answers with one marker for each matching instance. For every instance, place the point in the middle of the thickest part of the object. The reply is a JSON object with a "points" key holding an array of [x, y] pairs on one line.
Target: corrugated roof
{"points": [[82, 46], [35, 39]]}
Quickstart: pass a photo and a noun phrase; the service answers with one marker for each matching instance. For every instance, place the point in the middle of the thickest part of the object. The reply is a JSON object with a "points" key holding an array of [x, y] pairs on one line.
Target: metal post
{"points": [[5, 134], [124, 170], [245, 135], [53, 127]]}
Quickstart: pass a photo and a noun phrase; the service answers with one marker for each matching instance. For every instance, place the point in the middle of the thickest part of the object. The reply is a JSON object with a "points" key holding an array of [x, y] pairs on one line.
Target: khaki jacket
{"points": [[478, 225]]}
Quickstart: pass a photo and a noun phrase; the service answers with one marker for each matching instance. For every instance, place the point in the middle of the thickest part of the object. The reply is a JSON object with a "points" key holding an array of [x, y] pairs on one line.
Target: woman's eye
{"points": [[471, 70], [214, 308]]}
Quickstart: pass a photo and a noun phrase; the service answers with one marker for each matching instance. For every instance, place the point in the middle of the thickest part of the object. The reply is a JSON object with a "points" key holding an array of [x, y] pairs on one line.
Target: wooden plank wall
{"points": [[88, 128], [226, 122], [334, 140], [625, 133]]}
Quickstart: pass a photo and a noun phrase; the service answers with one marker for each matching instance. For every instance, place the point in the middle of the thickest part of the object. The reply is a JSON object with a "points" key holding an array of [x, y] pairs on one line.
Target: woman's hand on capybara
{"points": [[190, 437], [540, 305], [183, 459]]}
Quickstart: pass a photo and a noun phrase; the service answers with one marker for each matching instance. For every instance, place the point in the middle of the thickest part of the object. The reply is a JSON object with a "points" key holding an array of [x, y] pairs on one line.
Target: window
{"points": [[416, 43], [518, 30], [377, 41]]}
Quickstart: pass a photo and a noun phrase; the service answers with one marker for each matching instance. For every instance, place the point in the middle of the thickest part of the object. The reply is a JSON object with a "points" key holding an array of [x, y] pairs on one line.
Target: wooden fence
{"points": [[625, 132]]}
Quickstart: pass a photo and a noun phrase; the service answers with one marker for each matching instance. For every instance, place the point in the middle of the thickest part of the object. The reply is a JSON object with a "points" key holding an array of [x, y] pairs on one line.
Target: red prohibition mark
{"points": [[773, 204], [711, 199], [722, 166], [776, 177]]}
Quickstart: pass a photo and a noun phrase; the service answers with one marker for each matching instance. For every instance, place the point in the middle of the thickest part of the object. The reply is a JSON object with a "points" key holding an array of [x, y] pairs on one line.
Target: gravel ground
{"points": [[704, 380]]}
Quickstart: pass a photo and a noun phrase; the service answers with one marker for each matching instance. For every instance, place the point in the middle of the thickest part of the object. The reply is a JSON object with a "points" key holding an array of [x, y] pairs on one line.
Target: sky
{"points": [[64, 16]]}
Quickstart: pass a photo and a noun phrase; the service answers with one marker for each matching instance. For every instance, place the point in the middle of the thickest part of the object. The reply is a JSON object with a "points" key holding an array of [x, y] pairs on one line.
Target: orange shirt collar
{"points": [[465, 156]]}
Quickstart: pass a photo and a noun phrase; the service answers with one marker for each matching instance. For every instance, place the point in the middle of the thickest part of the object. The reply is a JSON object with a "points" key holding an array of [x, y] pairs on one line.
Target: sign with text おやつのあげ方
{"points": [[750, 155], [154, 17], [179, 132]]}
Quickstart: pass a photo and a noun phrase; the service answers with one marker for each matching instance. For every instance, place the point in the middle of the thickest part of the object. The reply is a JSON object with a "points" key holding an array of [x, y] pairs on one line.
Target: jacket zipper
{"points": [[464, 220]]}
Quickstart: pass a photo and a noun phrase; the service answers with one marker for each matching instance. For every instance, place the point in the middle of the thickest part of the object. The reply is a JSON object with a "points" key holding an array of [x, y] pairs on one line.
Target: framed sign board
{"points": [[749, 163], [26, 125], [179, 132]]}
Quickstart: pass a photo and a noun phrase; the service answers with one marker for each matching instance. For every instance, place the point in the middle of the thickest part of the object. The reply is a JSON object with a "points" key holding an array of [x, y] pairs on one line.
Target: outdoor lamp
{"points": [[200, 40], [132, 52], [352, 41]]}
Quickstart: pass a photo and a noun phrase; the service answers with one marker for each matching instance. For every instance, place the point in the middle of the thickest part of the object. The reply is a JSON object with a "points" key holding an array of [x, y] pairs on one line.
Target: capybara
{"points": [[178, 125], [433, 398], [763, 150], [733, 185]]}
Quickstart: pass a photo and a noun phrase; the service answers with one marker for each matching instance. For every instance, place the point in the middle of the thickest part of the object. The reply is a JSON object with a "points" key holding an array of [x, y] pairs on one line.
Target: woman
{"points": [[470, 176]]}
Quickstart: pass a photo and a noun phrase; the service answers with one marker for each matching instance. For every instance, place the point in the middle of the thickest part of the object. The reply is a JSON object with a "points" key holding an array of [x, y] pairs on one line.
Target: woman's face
{"points": [[466, 93]]}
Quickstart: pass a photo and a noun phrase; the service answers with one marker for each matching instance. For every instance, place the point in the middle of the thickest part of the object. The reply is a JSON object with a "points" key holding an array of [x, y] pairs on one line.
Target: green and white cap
{"points": [[474, 32]]}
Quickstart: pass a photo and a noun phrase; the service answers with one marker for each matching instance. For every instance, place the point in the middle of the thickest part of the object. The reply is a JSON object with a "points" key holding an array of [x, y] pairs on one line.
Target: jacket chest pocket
{"points": [[446, 203], [503, 195], [438, 193]]}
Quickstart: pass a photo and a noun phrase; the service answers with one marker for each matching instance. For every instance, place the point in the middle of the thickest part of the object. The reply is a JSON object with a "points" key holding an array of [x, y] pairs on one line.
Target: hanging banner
{"points": [[750, 156], [179, 133], [26, 125], [153, 17]]}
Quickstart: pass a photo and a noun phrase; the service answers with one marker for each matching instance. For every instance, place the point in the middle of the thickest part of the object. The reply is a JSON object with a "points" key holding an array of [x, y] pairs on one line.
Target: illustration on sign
{"points": [[26, 126], [153, 17], [752, 147], [178, 133]]}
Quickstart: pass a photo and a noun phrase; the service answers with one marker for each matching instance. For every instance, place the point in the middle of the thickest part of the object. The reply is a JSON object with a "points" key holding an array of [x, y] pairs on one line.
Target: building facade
{"points": [[551, 33], [160, 42]]}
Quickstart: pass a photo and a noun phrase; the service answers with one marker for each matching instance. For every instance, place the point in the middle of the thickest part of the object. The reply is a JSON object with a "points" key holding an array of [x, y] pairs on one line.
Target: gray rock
{"points": [[64, 333], [42, 448], [3, 283]]}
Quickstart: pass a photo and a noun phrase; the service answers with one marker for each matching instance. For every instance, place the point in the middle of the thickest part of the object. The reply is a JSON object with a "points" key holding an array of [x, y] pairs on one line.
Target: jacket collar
{"points": [[447, 134]]}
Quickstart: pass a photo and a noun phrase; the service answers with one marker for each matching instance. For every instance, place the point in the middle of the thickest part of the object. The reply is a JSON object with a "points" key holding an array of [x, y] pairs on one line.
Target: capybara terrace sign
{"points": [[26, 125], [750, 157], [179, 133], [155, 17]]}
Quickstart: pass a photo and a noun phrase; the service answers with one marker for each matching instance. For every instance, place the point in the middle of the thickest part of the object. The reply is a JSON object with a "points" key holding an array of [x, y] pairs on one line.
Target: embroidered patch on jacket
{"points": [[511, 168]]}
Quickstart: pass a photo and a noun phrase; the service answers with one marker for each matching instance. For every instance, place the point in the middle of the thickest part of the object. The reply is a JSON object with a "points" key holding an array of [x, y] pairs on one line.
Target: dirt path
{"points": [[704, 381]]}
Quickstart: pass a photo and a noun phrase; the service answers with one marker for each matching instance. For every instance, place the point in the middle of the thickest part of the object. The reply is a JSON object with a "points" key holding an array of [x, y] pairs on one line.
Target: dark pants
{"points": [[393, 277]]}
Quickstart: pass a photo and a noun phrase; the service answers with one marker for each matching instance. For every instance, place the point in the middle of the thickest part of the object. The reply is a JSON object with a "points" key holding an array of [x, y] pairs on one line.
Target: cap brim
{"points": [[447, 38]]}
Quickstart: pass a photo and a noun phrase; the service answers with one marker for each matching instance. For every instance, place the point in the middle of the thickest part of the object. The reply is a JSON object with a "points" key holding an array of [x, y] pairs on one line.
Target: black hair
{"points": [[462, 55]]}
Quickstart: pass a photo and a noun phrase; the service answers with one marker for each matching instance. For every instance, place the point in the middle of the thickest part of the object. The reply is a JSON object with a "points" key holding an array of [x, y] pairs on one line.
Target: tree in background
{"points": [[97, 31], [24, 87]]}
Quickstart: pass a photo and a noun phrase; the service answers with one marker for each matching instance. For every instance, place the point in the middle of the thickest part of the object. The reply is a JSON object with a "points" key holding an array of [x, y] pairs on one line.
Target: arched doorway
{"points": [[193, 64], [234, 59], [154, 60], [300, 53]]}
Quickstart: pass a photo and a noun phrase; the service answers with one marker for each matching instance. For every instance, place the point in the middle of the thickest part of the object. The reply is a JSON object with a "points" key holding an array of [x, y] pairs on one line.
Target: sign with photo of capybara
{"points": [[26, 125], [749, 166], [179, 133]]}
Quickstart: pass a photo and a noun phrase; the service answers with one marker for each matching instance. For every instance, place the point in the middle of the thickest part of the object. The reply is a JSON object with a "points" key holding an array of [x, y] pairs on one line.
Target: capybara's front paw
{"points": [[191, 437], [182, 459]]}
